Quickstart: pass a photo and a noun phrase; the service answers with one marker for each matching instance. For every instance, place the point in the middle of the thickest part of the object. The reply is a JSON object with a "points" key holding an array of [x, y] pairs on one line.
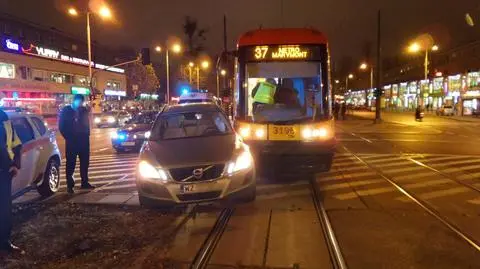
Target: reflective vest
{"points": [[265, 93], [11, 138]]}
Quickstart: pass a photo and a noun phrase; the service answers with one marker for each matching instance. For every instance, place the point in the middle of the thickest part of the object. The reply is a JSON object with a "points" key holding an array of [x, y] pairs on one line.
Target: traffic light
{"points": [[146, 56]]}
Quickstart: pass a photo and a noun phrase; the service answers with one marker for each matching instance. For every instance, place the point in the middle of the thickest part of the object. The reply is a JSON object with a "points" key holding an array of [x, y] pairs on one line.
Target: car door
{"points": [[30, 153], [42, 135]]}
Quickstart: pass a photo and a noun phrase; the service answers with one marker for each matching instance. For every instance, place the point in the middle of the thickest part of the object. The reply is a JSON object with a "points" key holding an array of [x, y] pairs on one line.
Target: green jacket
{"points": [[264, 93]]}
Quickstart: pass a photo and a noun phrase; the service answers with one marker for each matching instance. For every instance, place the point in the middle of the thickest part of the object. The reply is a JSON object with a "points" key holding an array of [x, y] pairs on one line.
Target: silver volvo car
{"points": [[194, 155]]}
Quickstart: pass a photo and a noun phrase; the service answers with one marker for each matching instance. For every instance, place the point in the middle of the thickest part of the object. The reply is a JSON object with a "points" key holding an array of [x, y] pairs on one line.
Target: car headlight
{"points": [[111, 119], [243, 161], [146, 170], [114, 135], [97, 120]]}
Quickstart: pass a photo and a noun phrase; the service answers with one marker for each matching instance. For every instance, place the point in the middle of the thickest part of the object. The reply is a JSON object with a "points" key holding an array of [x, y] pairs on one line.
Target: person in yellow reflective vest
{"points": [[264, 93], [10, 163]]}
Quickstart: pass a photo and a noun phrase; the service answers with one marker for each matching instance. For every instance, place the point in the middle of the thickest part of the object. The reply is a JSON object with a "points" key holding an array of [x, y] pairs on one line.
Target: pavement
{"points": [[400, 194]]}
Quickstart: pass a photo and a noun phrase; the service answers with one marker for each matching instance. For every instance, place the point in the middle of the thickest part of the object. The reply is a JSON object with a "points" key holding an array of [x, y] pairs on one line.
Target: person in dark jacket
{"points": [[74, 125], [10, 163]]}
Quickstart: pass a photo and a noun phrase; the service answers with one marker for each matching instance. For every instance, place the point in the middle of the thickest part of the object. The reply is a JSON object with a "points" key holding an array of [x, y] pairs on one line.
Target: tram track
{"points": [[421, 203], [336, 256]]}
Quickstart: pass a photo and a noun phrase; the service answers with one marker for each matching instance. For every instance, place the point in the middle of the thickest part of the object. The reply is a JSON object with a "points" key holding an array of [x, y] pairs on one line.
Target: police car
{"points": [[40, 155], [198, 97]]}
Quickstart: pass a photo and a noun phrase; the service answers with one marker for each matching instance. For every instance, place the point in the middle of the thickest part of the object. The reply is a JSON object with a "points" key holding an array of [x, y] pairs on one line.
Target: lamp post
{"points": [[350, 76], [105, 13], [416, 47], [175, 48], [223, 73], [364, 66], [190, 66], [204, 64]]}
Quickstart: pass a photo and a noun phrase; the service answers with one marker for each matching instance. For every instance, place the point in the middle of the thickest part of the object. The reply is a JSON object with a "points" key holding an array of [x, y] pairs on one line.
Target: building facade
{"points": [[38, 71]]}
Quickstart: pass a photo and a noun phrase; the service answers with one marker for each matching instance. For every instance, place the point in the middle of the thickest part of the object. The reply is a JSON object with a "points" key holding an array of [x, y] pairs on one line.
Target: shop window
{"points": [[40, 125], [81, 80], [23, 129], [113, 85], [7, 70], [61, 78]]}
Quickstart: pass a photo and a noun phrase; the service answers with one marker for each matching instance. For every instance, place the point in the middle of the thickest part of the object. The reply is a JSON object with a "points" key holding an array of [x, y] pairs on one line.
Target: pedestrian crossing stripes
{"points": [[430, 176], [107, 172], [348, 179]]}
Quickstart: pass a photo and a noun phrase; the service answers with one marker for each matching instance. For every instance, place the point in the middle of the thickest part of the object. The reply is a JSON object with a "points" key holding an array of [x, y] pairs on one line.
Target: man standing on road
{"points": [[74, 125], [10, 162]]}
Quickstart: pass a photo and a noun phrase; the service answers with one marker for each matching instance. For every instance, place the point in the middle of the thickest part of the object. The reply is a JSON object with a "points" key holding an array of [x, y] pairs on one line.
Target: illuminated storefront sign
{"points": [[80, 90], [7, 70], [56, 55], [115, 93], [149, 96], [9, 44], [283, 52]]}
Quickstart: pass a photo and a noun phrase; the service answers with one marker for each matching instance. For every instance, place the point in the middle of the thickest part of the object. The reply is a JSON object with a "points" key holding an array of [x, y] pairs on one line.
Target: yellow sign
{"points": [[281, 52], [283, 132]]}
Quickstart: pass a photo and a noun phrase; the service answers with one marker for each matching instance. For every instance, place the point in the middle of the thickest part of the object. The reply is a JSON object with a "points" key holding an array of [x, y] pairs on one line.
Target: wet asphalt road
{"points": [[402, 194]]}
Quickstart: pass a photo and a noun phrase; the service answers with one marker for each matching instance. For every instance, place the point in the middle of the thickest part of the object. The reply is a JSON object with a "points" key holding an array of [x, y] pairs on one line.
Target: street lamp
{"points": [[416, 47], [364, 66], [190, 66], [223, 73], [350, 76], [105, 13], [175, 48], [204, 64]]}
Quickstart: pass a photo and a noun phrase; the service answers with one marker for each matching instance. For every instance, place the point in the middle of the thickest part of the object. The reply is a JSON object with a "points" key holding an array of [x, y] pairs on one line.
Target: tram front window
{"points": [[285, 92]]}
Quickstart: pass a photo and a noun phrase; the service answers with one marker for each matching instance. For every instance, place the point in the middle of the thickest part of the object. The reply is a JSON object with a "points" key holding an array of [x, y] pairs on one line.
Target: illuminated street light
{"points": [[72, 11], [205, 64], [337, 81], [350, 76], [105, 12], [364, 66], [414, 47], [176, 48], [191, 64], [158, 49], [223, 72]]}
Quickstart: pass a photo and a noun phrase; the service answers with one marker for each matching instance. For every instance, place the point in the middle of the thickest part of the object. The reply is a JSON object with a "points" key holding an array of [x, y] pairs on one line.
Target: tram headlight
{"points": [[310, 133], [253, 131]]}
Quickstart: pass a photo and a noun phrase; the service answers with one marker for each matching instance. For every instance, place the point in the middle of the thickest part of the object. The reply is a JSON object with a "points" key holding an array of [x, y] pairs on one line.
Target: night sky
{"points": [[349, 24]]}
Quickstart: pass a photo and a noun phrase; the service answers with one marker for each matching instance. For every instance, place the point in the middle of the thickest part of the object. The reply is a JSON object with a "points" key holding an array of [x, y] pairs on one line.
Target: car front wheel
{"points": [[51, 179]]}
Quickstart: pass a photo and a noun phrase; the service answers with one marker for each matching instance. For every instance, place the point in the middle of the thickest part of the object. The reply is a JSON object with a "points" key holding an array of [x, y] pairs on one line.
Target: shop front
{"points": [[412, 95], [355, 98], [438, 92], [425, 88], [395, 100], [37, 97], [471, 94], [387, 93], [402, 92], [454, 87]]}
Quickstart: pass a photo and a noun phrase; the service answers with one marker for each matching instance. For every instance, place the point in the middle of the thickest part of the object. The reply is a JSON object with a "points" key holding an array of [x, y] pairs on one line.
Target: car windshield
{"points": [[143, 118], [284, 91], [190, 124]]}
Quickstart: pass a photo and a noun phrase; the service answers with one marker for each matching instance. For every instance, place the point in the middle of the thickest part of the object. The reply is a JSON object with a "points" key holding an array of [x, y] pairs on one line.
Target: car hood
{"points": [[135, 128], [192, 151]]}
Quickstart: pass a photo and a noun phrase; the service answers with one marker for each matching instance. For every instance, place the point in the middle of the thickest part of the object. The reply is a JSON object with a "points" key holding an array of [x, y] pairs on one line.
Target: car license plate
{"points": [[283, 132], [128, 143], [187, 188]]}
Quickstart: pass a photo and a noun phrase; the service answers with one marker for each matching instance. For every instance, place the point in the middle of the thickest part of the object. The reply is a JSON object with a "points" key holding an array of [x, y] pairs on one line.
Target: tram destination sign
{"points": [[283, 53]]}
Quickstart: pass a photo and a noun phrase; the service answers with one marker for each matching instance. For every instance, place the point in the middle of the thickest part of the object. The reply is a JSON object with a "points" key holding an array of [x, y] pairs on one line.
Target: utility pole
{"points": [[378, 93]]}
